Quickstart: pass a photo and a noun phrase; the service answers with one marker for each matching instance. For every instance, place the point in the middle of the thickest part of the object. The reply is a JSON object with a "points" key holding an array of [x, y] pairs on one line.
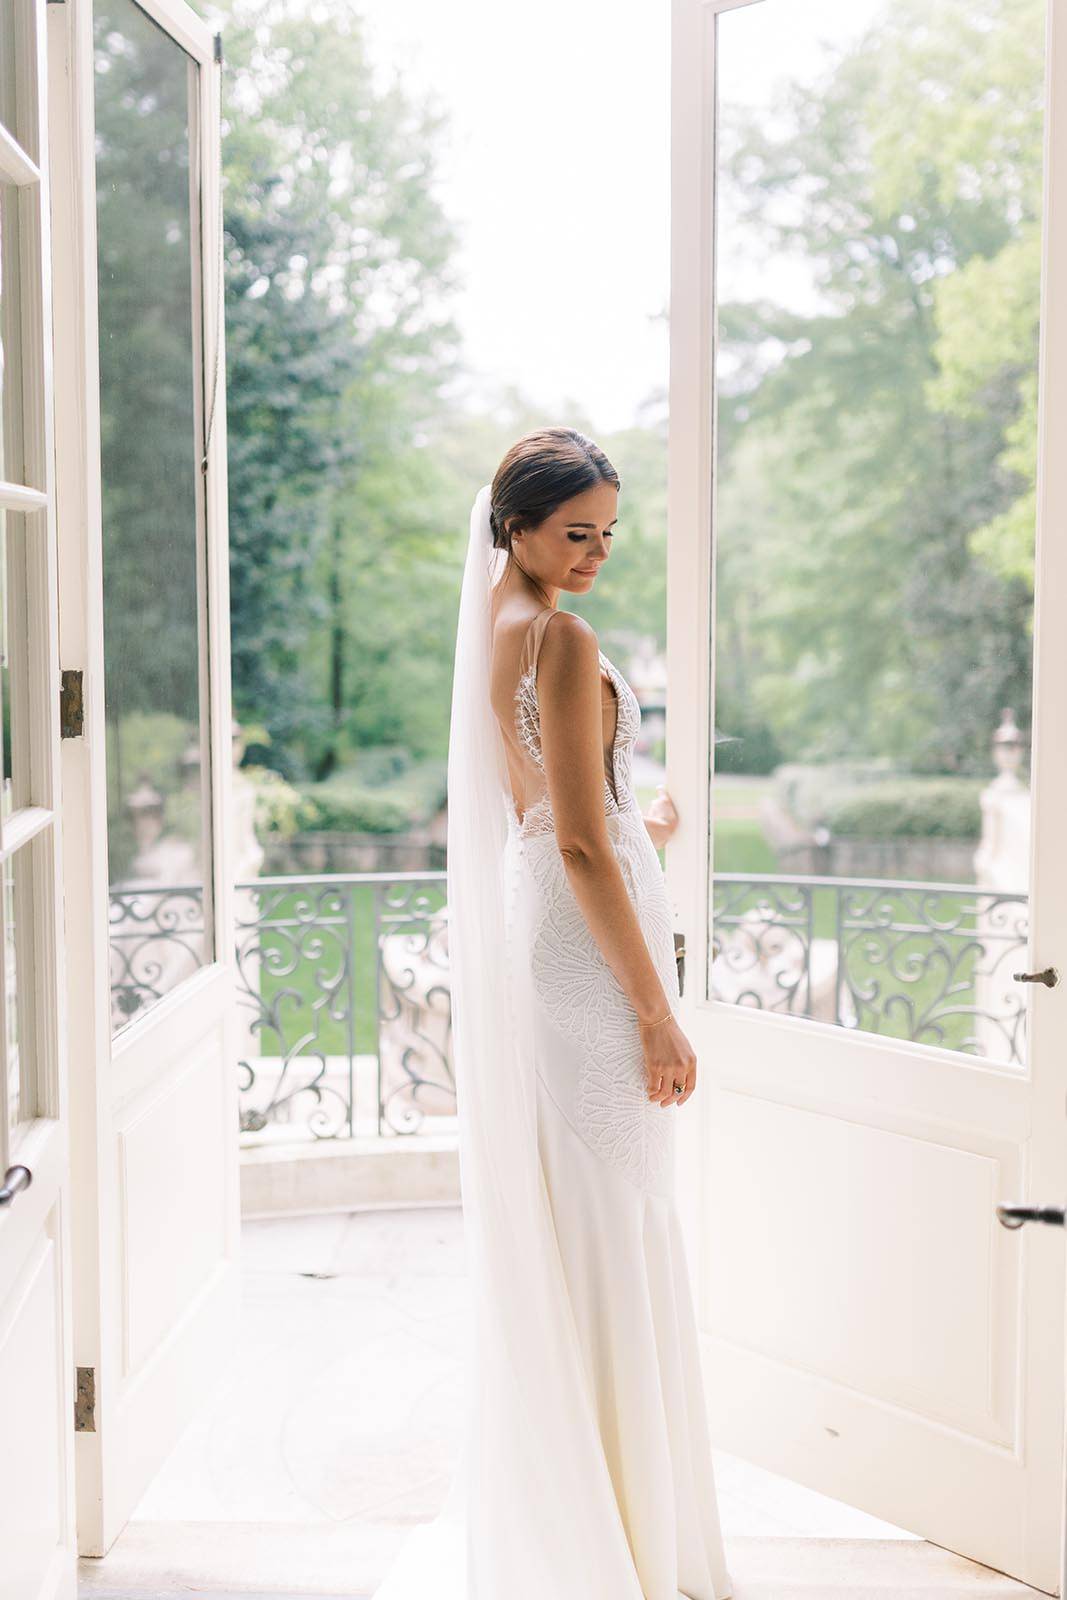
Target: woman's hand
{"points": [[661, 818], [669, 1059]]}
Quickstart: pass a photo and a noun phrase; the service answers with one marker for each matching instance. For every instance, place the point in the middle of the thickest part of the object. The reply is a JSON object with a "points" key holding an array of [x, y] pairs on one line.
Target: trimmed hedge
{"points": [[909, 808], [349, 803], [866, 800]]}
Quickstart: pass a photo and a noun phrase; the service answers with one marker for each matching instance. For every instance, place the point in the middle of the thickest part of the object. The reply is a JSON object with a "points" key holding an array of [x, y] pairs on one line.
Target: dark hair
{"points": [[539, 472]]}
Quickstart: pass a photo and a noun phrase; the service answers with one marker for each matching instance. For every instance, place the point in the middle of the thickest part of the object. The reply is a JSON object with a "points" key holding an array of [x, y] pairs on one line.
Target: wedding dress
{"points": [[586, 1470]]}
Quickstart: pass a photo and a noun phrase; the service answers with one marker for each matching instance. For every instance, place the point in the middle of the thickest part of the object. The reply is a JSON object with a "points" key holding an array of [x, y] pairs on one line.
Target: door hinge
{"points": [[218, 48], [679, 956], [71, 706], [85, 1401]]}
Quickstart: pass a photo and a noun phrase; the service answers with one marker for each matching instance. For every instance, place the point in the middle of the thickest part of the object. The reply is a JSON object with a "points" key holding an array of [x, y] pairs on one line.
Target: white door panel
{"points": [[870, 1329], [144, 609]]}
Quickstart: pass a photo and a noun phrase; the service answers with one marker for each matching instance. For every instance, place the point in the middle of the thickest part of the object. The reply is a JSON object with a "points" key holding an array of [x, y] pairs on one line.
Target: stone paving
{"points": [[334, 1426]]}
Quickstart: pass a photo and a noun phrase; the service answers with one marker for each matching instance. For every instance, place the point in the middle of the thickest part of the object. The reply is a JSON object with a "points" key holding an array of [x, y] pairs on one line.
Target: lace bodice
{"points": [[619, 793]]}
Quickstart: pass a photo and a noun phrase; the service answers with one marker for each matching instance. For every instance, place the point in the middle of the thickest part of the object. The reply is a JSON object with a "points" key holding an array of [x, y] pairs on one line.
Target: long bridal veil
{"points": [[531, 1513]]}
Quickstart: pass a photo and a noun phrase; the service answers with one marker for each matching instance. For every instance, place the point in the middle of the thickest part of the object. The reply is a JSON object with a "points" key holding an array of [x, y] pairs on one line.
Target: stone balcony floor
{"points": [[334, 1426]]}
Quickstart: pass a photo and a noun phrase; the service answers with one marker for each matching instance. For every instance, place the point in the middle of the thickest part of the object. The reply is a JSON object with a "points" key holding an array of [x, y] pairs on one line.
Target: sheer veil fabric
{"points": [[531, 1513]]}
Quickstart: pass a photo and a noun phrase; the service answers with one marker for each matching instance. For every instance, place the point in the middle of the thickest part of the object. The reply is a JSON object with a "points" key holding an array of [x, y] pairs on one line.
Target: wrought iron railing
{"points": [[343, 987], [930, 962], [156, 941], [345, 1003]]}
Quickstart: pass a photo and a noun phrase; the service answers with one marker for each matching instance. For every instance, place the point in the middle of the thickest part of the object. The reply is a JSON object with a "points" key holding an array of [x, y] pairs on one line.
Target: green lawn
{"points": [[741, 846], [311, 990]]}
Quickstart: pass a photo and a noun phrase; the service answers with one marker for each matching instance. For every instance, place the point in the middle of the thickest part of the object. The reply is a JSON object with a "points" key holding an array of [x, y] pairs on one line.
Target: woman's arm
{"points": [[568, 695]]}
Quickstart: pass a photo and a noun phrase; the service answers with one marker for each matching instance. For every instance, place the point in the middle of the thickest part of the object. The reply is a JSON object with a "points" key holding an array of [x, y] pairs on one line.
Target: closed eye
{"points": [[609, 533]]}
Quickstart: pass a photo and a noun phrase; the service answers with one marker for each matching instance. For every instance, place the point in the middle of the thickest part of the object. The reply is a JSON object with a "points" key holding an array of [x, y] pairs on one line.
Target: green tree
{"points": [[338, 278], [874, 452]]}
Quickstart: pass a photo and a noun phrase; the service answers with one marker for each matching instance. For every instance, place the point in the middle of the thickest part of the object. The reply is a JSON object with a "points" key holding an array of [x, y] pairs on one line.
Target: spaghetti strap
{"points": [[536, 632]]}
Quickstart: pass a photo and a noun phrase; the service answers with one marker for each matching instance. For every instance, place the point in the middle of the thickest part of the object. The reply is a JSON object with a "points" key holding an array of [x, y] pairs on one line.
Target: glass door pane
{"points": [[878, 188], [27, 645], [153, 522], [16, 921], [14, 532], [7, 70]]}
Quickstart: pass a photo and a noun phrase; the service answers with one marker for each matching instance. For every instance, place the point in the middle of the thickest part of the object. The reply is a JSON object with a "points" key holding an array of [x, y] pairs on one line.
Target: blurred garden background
{"points": [[876, 453], [880, 175]]}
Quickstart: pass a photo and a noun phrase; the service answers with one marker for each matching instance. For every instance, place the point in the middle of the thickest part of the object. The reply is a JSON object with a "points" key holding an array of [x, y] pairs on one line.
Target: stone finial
{"points": [[145, 806], [1009, 742]]}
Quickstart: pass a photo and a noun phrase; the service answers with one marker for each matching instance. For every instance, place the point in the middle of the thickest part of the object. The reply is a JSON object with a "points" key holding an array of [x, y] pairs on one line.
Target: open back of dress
{"points": [[519, 716]]}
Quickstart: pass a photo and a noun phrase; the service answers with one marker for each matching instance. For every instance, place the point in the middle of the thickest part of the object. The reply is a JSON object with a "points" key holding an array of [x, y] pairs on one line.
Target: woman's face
{"points": [[570, 547]]}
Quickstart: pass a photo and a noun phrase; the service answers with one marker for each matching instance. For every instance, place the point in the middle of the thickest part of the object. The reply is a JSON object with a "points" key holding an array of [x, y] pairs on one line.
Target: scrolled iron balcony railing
{"points": [[156, 940], [343, 987], [345, 1005], [928, 962]]}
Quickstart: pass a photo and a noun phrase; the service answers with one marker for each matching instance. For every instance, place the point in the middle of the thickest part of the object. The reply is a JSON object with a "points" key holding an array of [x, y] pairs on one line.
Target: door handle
{"points": [[1049, 977], [15, 1178], [1013, 1216]]}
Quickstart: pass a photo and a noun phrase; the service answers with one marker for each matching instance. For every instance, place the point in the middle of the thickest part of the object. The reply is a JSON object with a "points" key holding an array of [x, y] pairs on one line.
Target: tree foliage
{"points": [[339, 340], [877, 447]]}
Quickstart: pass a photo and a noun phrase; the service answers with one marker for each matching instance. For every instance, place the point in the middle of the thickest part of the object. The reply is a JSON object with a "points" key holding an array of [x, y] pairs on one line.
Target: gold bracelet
{"points": [[657, 1022]]}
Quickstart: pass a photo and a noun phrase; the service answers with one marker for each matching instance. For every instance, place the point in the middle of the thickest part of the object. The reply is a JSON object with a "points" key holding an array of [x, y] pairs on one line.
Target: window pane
{"points": [[879, 239], [11, 443], [7, 790], [14, 646], [150, 377], [18, 73], [14, 652], [17, 941], [7, 67]]}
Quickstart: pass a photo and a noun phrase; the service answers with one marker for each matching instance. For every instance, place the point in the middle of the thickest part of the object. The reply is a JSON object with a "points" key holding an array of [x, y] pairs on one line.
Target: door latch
{"points": [[1048, 976], [679, 956]]}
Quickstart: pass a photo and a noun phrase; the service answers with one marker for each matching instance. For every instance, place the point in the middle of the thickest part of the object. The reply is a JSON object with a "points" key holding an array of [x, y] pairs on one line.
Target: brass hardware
{"points": [[15, 1178], [71, 706], [679, 956], [1013, 1216], [1049, 977], [85, 1401]]}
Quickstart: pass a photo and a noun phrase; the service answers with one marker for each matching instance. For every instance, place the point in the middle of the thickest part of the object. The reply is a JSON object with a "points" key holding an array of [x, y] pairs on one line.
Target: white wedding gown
{"points": [[607, 1157]]}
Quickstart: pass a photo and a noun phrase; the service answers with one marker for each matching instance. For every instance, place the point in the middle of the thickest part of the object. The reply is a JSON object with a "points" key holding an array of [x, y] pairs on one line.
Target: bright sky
{"points": [[557, 175]]}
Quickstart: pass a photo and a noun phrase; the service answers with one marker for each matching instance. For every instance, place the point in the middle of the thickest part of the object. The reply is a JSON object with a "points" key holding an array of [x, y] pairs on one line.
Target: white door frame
{"points": [[37, 1539]]}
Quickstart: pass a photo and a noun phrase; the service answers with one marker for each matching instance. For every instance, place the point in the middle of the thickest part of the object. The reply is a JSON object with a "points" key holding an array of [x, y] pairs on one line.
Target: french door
{"points": [[140, 422], [867, 604], [37, 1554]]}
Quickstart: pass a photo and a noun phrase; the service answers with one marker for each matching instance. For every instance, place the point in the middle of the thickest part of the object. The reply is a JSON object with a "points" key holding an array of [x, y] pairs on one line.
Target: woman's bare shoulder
{"points": [[570, 640]]}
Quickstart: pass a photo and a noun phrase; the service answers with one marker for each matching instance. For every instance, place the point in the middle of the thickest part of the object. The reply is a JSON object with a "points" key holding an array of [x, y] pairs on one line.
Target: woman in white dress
{"points": [[586, 1471]]}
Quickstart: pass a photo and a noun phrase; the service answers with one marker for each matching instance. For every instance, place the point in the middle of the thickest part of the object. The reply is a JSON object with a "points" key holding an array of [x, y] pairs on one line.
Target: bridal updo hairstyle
{"points": [[539, 472]]}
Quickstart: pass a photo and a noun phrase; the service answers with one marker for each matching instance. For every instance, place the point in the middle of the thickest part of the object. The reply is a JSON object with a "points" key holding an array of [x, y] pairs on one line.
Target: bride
{"points": [[586, 1469]]}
